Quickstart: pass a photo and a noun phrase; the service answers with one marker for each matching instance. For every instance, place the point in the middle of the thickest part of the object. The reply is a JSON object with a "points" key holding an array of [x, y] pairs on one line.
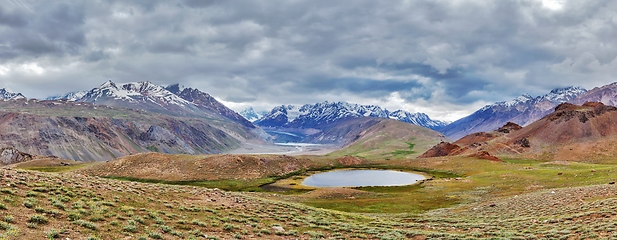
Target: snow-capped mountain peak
{"points": [[72, 96], [7, 94], [312, 115], [134, 92], [557, 95], [420, 119], [564, 94], [522, 110], [251, 115]]}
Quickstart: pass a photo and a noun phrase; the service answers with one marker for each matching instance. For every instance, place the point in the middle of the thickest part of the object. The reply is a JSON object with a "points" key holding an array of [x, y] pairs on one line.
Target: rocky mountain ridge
{"points": [[606, 94], [6, 94], [173, 100], [522, 110], [571, 132], [87, 132], [313, 115]]}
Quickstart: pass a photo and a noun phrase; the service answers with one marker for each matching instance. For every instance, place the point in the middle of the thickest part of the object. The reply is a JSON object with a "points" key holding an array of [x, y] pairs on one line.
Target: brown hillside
{"points": [[591, 121], [476, 138], [443, 149], [472, 145], [193, 168], [387, 137], [571, 132], [480, 137]]}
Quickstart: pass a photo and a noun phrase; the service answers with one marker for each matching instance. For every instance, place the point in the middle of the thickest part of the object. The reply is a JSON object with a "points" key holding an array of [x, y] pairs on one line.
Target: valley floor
{"points": [[291, 149], [468, 199]]}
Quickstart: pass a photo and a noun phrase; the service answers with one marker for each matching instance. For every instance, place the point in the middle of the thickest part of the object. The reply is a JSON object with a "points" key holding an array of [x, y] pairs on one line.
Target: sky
{"points": [[444, 58]]}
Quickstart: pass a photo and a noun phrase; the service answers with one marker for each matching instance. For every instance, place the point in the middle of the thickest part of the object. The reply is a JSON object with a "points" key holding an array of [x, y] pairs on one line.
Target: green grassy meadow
{"points": [[465, 198]]}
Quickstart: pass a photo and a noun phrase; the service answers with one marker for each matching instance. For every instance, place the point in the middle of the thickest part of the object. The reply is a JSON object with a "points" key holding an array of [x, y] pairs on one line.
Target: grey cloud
{"points": [[96, 56], [450, 53], [12, 19], [200, 3]]}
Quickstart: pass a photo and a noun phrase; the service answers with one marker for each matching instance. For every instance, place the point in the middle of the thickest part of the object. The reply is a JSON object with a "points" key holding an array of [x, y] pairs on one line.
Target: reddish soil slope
{"points": [[443, 149], [569, 123]]}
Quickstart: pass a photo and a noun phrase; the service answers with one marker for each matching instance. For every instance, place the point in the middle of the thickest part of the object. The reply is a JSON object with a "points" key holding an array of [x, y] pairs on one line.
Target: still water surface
{"points": [[362, 178]]}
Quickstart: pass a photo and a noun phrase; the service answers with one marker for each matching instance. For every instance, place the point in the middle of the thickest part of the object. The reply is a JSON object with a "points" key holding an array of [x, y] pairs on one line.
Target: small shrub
{"points": [[86, 224], [7, 191], [28, 204], [9, 219], [31, 194], [58, 205], [166, 229], [155, 235], [5, 226], [37, 218], [130, 228], [53, 233], [74, 216]]}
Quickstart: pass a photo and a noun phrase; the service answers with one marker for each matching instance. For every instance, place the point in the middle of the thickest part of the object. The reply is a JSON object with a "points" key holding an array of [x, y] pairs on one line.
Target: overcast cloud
{"points": [[445, 58]]}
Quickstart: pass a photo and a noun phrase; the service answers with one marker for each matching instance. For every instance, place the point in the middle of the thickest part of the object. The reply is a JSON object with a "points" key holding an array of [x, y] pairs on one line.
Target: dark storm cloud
{"points": [[39, 30], [455, 54], [12, 19]]}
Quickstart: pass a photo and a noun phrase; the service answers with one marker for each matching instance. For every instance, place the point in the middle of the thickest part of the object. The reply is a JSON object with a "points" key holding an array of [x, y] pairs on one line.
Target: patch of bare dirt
{"points": [[475, 138], [350, 160], [485, 155]]}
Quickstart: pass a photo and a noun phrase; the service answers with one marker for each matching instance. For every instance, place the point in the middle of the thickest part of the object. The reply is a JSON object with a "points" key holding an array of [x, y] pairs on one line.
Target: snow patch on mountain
{"points": [[557, 95], [134, 92], [251, 115], [311, 115], [522, 110], [72, 96], [420, 119], [7, 94]]}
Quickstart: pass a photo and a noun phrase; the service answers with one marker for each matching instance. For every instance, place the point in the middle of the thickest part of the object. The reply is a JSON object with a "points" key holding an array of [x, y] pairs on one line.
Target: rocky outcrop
{"points": [[485, 155], [10, 155], [567, 111], [442, 149], [509, 127]]}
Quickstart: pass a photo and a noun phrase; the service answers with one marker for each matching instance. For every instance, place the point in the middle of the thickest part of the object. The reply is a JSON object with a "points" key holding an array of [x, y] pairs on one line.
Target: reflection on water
{"points": [[362, 178]]}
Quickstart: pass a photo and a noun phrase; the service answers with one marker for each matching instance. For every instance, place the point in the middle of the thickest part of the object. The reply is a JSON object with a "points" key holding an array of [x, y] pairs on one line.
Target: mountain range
{"points": [[522, 110], [570, 132], [114, 120], [252, 115], [143, 116], [6, 94], [173, 99], [313, 115]]}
